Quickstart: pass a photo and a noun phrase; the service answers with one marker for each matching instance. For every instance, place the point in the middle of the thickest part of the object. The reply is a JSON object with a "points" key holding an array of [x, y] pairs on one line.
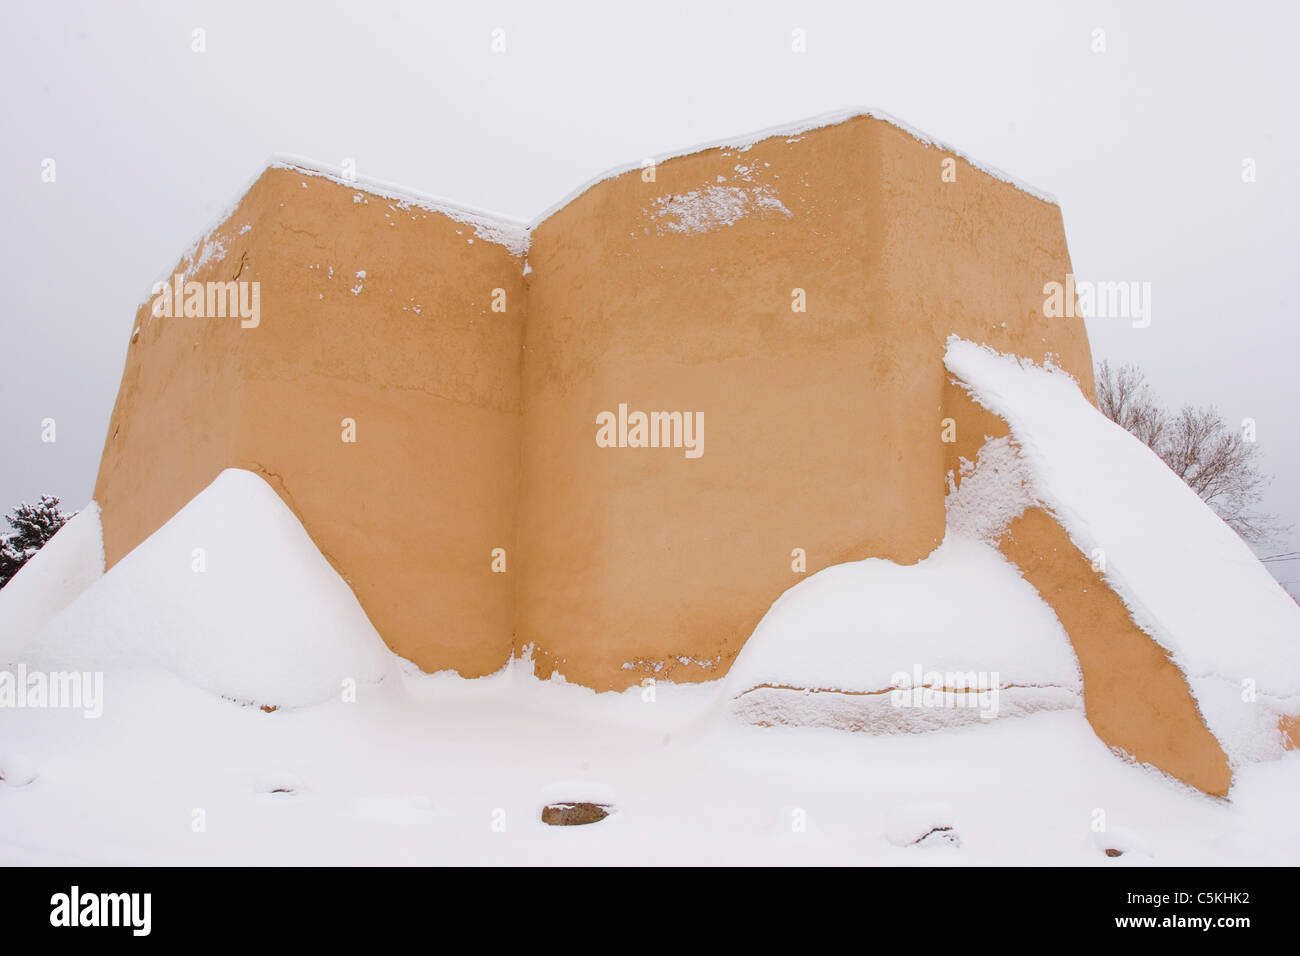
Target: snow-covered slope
{"points": [[854, 628], [450, 772], [231, 595], [1188, 579], [53, 578]]}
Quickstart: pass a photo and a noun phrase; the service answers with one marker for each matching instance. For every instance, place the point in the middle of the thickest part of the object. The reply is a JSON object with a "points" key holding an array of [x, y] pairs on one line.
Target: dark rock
{"points": [[574, 814]]}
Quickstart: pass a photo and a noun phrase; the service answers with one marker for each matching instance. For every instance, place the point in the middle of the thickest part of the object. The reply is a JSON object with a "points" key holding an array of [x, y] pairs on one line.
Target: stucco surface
{"points": [[476, 429]]}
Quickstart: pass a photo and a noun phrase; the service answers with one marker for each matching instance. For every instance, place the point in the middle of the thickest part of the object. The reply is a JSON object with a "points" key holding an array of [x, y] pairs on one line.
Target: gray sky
{"points": [[1141, 144]]}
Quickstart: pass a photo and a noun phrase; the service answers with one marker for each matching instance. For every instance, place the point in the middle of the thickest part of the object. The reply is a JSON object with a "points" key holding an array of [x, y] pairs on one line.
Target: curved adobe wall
{"points": [[1135, 697], [821, 428], [409, 513]]}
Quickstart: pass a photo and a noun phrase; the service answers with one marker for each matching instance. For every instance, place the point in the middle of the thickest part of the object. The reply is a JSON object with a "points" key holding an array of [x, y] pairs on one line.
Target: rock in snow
{"points": [[574, 814], [576, 802], [1117, 841]]}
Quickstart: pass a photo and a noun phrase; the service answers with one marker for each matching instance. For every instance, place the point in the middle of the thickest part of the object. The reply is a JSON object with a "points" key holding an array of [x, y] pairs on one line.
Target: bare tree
{"points": [[1216, 461], [1125, 398]]}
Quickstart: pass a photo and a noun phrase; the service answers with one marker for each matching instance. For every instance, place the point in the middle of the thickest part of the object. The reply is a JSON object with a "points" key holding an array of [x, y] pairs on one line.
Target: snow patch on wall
{"points": [[989, 493], [208, 249], [711, 207]]}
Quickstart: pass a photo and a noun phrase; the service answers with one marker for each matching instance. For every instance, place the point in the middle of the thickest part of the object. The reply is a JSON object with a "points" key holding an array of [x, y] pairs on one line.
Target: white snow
{"points": [[279, 780], [1126, 841], [577, 791], [434, 769], [491, 227], [791, 132], [1189, 581], [516, 234], [911, 823], [988, 493], [206, 250], [711, 207], [420, 771], [833, 650], [265, 620], [16, 769], [852, 628], [53, 578]]}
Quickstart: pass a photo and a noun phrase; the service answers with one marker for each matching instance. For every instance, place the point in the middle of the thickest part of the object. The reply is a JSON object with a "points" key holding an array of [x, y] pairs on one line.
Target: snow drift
{"points": [[830, 649], [231, 595], [1187, 579], [68, 564]]}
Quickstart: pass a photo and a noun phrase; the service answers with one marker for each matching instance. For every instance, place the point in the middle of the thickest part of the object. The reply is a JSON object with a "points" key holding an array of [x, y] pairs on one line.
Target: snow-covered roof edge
{"points": [[796, 128], [489, 226], [515, 234]]}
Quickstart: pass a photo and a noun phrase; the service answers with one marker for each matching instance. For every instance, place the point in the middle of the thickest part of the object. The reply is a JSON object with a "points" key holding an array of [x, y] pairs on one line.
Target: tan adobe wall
{"points": [[1135, 697], [821, 427], [409, 513]]}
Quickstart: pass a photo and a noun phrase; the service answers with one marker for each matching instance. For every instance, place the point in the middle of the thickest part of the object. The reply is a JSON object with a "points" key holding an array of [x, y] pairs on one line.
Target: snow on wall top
{"points": [[515, 234], [488, 226], [1187, 578], [798, 128]]}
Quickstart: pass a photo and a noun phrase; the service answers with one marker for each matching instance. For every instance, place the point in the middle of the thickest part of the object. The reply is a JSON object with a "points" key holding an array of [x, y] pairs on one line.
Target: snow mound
{"points": [[1189, 581], [231, 595], [17, 770], [53, 578], [829, 650]]}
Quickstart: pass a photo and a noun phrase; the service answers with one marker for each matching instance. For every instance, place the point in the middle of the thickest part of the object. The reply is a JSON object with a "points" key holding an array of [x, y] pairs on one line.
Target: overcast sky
{"points": [[1142, 145]]}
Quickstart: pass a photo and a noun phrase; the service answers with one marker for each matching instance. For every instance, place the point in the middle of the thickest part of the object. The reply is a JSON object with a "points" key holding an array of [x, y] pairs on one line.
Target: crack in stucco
{"points": [[277, 482]]}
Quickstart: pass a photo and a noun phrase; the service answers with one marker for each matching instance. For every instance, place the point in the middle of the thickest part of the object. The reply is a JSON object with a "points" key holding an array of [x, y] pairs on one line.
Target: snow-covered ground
{"points": [[366, 760], [426, 770]]}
